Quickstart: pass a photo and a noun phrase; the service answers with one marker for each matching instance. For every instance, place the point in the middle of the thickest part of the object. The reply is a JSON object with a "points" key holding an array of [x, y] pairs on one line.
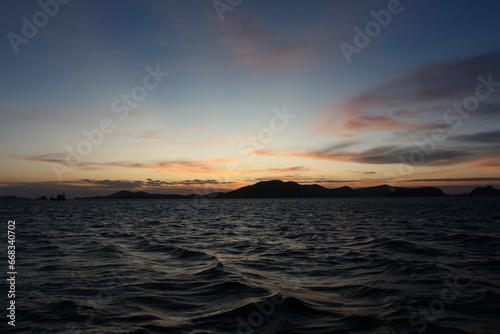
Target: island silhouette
{"points": [[290, 189]]}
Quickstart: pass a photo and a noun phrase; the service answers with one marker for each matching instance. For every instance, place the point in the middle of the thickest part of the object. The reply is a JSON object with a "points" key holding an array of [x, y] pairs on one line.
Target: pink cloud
{"points": [[347, 121], [490, 164], [257, 47]]}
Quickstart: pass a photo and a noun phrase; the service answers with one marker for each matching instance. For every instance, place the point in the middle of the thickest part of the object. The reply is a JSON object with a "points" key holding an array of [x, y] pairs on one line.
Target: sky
{"points": [[196, 96]]}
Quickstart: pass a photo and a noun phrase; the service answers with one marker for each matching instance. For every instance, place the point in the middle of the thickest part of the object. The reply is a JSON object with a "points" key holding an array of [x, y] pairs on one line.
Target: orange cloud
{"points": [[389, 154], [412, 101], [289, 170], [215, 171], [492, 165], [346, 119], [180, 166], [207, 167], [342, 157]]}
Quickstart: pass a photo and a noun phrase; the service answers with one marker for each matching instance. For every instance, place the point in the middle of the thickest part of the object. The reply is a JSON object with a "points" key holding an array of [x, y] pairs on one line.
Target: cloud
{"points": [[57, 158], [257, 47], [458, 179], [116, 184], [393, 154], [448, 80], [324, 180], [92, 187], [206, 167], [398, 154], [334, 152], [120, 184], [361, 172], [190, 167], [347, 121], [490, 164], [289, 169], [151, 182], [433, 82], [488, 137], [399, 104]]}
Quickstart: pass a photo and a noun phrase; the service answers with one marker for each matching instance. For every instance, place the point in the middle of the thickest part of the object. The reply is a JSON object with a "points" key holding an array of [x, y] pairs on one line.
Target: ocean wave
{"points": [[274, 266]]}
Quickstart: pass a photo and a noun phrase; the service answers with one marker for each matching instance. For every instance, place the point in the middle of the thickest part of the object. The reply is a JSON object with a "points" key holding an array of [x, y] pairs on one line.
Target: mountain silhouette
{"points": [[485, 191], [378, 191], [125, 194], [418, 192], [12, 198], [281, 189]]}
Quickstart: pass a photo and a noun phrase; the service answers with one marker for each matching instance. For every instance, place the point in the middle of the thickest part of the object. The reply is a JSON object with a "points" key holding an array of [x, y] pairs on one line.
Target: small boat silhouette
{"points": [[42, 198], [60, 197]]}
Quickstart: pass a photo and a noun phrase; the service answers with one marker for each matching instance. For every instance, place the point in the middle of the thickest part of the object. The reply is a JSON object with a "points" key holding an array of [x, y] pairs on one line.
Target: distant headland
{"points": [[281, 189]]}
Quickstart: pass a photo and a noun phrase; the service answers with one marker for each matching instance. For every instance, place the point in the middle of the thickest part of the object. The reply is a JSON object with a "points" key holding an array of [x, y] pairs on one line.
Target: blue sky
{"points": [[371, 119]]}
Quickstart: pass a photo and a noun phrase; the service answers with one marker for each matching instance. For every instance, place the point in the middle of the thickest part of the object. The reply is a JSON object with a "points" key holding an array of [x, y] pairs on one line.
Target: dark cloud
{"points": [[334, 181], [172, 166], [424, 152], [119, 184], [288, 169], [434, 82], [361, 172], [487, 137], [58, 158], [332, 149], [450, 80], [463, 179], [399, 104], [414, 155]]}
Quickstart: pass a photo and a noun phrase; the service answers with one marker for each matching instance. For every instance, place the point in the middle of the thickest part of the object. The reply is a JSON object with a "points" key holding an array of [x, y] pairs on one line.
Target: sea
{"points": [[353, 265]]}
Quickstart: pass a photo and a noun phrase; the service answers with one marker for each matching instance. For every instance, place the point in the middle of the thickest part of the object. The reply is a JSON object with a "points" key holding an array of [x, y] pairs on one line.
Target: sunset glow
{"points": [[178, 97]]}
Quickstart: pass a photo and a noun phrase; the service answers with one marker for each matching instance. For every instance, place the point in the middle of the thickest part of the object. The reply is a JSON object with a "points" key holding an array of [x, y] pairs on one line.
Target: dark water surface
{"points": [[385, 265]]}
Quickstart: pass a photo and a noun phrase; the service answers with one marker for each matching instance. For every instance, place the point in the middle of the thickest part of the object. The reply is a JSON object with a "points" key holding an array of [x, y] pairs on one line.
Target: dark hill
{"points": [[125, 194], [485, 191], [378, 191], [279, 189], [12, 198], [341, 192], [418, 192]]}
